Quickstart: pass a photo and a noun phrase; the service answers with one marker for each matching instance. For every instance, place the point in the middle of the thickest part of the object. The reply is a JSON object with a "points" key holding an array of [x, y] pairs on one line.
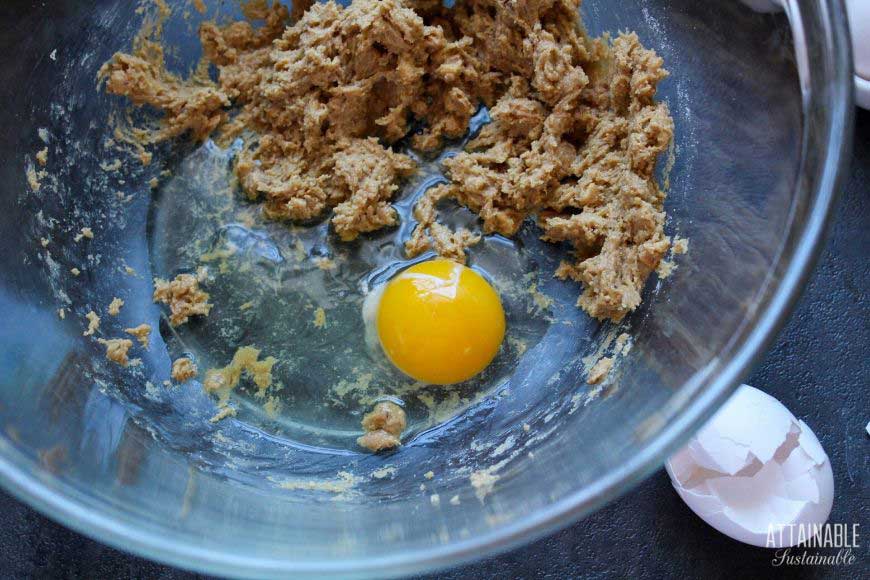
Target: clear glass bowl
{"points": [[759, 151]]}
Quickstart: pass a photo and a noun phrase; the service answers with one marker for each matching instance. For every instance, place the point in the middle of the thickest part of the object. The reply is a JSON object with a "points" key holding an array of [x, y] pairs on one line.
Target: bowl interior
{"points": [[115, 453]]}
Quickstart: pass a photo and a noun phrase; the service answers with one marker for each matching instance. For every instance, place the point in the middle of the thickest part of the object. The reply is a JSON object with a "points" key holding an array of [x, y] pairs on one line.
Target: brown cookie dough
{"points": [[429, 234], [184, 297], [117, 350], [183, 369], [574, 137], [383, 426], [188, 106], [93, 323], [115, 305], [246, 360], [142, 333], [580, 153]]}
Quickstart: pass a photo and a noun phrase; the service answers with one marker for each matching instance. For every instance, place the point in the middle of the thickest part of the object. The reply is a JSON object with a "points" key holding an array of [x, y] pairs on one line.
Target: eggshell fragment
{"points": [[752, 466]]}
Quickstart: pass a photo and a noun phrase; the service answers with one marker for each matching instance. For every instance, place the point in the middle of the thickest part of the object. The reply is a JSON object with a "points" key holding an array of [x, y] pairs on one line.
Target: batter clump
{"points": [[246, 360], [429, 234], [184, 297], [142, 333], [183, 369], [383, 427], [322, 96], [117, 350]]}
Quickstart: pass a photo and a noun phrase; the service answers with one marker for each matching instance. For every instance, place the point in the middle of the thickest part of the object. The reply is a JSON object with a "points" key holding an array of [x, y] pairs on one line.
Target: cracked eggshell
{"points": [[752, 466]]}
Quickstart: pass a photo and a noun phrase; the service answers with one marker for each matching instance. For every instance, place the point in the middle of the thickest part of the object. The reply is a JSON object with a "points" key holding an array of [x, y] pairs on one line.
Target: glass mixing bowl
{"points": [[113, 454]]}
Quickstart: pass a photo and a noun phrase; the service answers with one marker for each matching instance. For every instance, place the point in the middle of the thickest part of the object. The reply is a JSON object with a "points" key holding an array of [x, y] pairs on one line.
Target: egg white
{"points": [[370, 307]]}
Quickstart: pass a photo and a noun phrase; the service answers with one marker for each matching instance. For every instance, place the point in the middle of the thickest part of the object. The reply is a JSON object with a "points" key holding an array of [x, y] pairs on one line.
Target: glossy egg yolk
{"points": [[440, 322]]}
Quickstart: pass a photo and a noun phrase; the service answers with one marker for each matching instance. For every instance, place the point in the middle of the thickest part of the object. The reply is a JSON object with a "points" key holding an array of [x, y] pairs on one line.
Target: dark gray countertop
{"points": [[819, 368]]}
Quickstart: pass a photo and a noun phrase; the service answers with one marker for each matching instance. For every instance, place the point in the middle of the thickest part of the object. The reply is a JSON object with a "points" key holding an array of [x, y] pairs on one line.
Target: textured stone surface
{"points": [[818, 367]]}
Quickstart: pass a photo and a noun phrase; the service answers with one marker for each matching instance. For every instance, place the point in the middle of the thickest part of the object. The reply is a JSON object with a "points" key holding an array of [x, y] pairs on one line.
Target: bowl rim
{"points": [[62, 503]]}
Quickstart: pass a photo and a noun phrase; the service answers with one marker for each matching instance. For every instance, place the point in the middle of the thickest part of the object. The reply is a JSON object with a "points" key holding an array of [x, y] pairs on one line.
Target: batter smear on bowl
{"points": [[322, 96]]}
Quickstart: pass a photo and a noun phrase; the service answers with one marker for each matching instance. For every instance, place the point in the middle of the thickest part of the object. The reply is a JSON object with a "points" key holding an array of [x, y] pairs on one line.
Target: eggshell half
{"points": [[752, 466]]}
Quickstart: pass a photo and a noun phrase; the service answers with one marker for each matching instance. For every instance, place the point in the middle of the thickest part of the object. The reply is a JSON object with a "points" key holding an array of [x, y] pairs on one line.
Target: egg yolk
{"points": [[440, 322]]}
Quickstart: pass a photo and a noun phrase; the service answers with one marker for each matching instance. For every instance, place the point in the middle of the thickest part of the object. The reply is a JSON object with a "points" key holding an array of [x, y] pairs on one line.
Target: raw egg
{"points": [[440, 322]]}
